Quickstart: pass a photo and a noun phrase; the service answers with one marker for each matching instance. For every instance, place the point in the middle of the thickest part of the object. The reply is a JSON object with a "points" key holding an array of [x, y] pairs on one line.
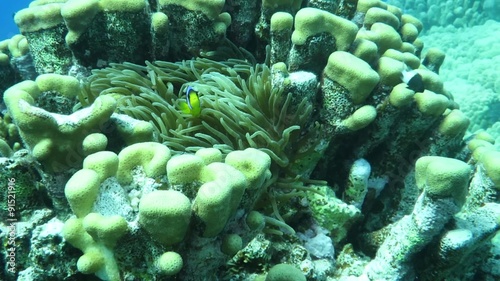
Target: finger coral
{"points": [[239, 140]]}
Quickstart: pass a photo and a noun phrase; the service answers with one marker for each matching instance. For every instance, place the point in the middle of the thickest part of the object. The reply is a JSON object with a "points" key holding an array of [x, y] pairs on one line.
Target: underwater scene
{"points": [[241, 140]]}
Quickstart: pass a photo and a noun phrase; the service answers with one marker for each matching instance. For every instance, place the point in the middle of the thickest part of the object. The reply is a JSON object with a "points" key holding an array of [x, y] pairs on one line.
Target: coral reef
{"points": [[455, 12], [217, 190], [67, 33], [16, 63], [471, 71], [60, 141], [226, 140]]}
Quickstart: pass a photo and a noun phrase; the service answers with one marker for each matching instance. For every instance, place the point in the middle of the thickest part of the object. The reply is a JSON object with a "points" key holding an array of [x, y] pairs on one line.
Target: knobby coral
{"points": [[203, 162]]}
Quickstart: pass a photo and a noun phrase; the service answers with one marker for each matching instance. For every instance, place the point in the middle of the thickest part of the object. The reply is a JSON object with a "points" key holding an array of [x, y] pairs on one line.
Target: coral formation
{"points": [[216, 191], [60, 141], [228, 140], [456, 13], [66, 33], [281, 272], [471, 70], [15, 62]]}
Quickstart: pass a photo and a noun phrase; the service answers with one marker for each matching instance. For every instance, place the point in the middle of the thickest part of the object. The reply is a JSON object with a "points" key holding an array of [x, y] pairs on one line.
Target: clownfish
{"points": [[192, 103], [413, 80]]}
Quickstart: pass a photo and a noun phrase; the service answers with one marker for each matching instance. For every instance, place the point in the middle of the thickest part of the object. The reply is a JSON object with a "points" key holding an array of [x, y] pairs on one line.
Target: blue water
{"points": [[7, 10]]}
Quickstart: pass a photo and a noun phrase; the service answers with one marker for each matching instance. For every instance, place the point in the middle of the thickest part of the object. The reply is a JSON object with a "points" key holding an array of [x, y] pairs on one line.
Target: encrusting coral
{"points": [[61, 141], [94, 32], [456, 13], [217, 191], [327, 149], [16, 63]]}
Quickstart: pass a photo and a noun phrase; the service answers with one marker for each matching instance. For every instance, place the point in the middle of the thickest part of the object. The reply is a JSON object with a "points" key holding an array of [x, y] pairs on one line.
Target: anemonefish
{"points": [[413, 79], [192, 103]]}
